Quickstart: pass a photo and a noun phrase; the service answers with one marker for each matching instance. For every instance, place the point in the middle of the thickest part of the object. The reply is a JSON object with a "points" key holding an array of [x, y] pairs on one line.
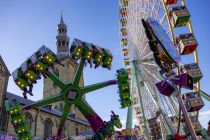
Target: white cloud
{"points": [[204, 118]]}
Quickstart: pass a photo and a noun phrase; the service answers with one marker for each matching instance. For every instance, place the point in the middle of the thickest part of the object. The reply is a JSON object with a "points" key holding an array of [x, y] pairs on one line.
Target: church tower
{"points": [[4, 77], [62, 40], [65, 72]]}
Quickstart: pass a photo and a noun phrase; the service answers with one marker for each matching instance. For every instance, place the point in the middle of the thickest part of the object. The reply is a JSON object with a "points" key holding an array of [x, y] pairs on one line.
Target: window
{"points": [[5, 119], [48, 128], [77, 131], [61, 106], [63, 43], [63, 132]]}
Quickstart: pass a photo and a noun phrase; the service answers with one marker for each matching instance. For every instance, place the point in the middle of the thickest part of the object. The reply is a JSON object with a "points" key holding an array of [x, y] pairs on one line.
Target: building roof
{"points": [[23, 101]]}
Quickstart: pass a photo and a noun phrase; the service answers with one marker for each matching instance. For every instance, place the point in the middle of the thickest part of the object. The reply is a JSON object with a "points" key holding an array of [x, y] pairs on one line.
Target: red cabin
{"points": [[124, 12], [123, 31], [168, 2], [187, 43], [137, 110], [125, 52]]}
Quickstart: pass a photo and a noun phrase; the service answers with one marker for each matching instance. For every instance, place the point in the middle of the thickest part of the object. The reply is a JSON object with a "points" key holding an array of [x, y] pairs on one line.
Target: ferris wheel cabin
{"points": [[193, 101], [193, 70], [187, 43], [179, 16]]}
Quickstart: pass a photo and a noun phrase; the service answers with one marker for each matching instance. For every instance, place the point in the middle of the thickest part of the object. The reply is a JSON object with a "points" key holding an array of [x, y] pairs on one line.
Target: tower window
{"points": [[77, 131], [63, 43]]}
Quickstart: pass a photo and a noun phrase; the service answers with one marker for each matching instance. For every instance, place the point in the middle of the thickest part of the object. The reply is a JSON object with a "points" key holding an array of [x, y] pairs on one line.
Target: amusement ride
{"points": [[41, 63], [156, 38]]}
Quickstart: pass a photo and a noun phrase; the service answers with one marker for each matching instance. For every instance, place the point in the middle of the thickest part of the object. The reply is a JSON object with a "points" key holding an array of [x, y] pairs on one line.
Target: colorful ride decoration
{"points": [[18, 120], [31, 70], [155, 129], [187, 43], [123, 86], [107, 130], [91, 53], [179, 16], [193, 101], [71, 93]]}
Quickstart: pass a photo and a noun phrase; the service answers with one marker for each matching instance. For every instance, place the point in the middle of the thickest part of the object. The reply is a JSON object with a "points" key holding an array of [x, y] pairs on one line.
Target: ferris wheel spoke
{"points": [[150, 64], [144, 49], [153, 8], [152, 74], [158, 9], [147, 55], [63, 120], [163, 19], [95, 121]]}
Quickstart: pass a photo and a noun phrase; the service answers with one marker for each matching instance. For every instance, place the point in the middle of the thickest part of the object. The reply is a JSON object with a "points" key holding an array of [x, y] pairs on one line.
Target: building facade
{"points": [[44, 121]]}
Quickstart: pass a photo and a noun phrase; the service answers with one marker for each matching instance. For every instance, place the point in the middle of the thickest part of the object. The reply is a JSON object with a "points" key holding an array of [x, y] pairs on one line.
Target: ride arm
{"points": [[78, 74], [95, 121], [55, 79], [97, 86], [63, 120], [43, 102], [203, 94]]}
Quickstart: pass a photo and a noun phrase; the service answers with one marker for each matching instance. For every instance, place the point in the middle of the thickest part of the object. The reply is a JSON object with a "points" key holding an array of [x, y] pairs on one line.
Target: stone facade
{"points": [[37, 122]]}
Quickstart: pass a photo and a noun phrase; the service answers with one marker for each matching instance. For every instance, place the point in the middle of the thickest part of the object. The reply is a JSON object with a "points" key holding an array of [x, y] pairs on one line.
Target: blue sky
{"points": [[26, 25]]}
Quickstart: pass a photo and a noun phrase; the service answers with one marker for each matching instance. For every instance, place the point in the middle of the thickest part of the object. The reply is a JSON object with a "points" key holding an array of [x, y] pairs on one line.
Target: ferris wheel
{"points": [[160, 54]]}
